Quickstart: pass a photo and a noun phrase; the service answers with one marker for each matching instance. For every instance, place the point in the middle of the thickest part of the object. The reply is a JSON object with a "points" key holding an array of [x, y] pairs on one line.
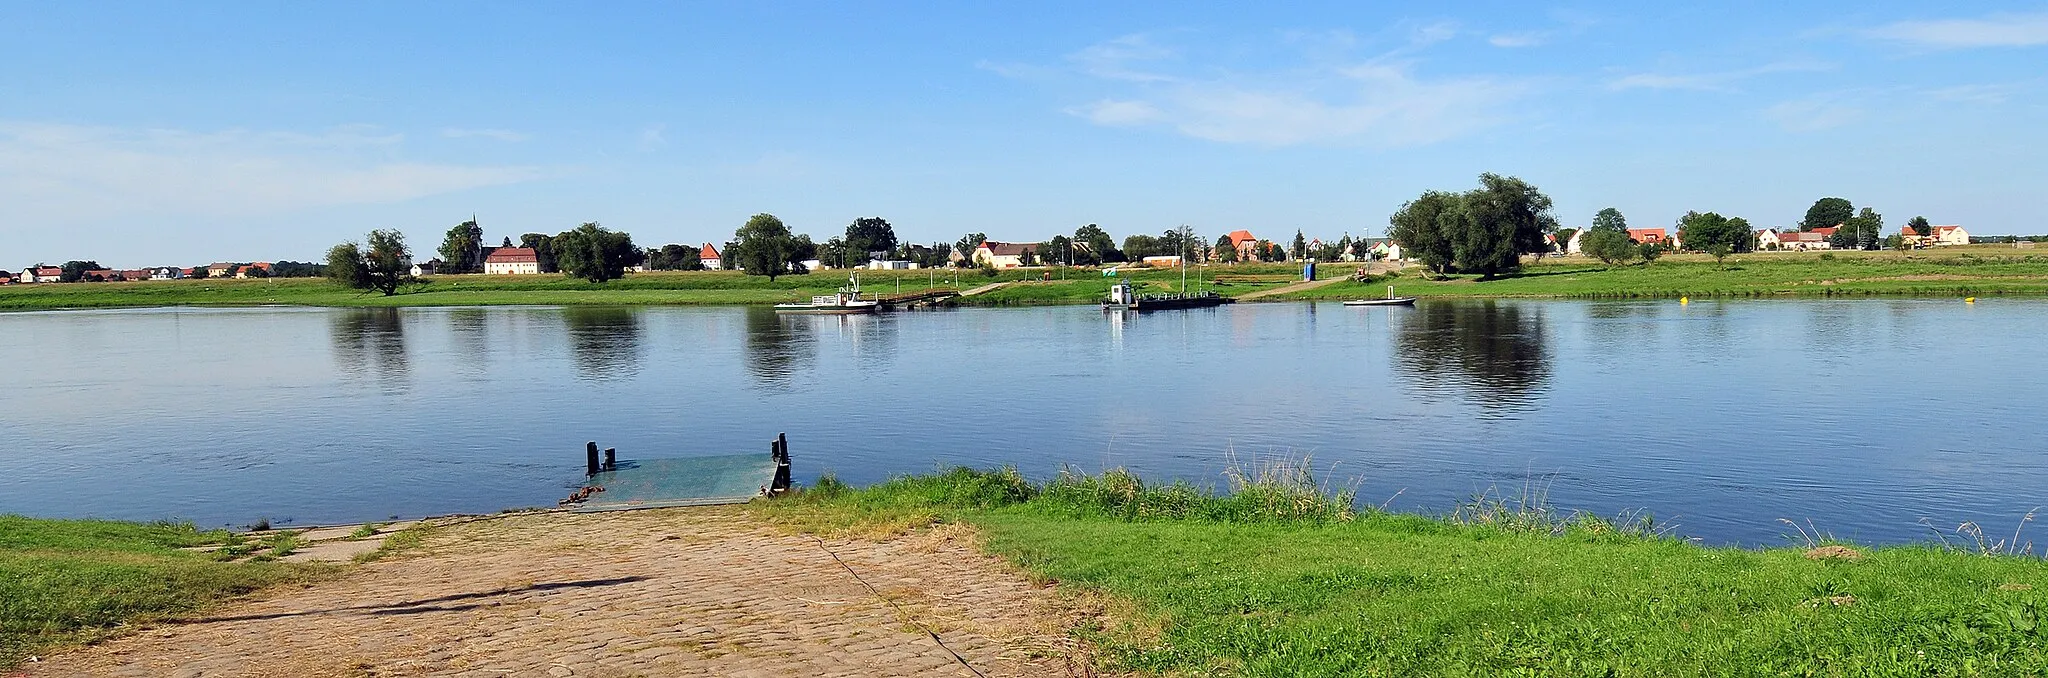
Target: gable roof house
{"points": [[1767, 239], [1804, 240], [1648, 235], [243, 272], [512, 261], [1003, 254], [6, 278], [167, 273], [1244, 242], [709, 257]]}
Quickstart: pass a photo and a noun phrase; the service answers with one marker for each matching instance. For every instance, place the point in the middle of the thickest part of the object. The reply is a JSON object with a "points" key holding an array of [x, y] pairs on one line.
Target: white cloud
{"points": [[1522, 39], [1375, 102], [1997, 30], [1723, 81], [498, 134], [653, 136], [1816, 113], [66, 173], [1113, 113]]}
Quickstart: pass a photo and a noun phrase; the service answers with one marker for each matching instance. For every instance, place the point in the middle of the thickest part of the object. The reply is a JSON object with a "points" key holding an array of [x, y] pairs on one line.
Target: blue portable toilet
{"points": [[1308, 270]]}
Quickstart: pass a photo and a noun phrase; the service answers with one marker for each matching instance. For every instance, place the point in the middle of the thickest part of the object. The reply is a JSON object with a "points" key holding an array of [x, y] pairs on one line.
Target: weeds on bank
{"points": [[75, 581]]}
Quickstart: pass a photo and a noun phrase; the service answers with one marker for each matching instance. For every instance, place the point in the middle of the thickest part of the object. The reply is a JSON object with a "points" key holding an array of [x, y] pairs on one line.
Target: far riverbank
{"points": [[1963, 271]]}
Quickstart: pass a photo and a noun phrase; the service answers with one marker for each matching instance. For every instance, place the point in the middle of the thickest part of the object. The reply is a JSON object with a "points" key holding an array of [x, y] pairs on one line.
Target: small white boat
{"points": [[1391, 300], [846, 301]]}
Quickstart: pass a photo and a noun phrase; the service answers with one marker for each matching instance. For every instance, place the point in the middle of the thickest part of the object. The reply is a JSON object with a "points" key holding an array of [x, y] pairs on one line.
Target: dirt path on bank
{"points": [[675, 592], [1296, 287]]}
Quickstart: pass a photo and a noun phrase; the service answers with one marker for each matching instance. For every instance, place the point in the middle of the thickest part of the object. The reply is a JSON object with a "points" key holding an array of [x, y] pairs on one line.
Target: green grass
{"points": [[1952, 274], [667, 288], [1968, 271], [64, 582], [1279, 578]]}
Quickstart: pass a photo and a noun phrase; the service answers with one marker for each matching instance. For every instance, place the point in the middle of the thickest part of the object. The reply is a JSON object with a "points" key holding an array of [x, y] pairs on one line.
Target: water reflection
{"points": [[1494, 352], [778, 345], [370, 342], [604, 340], [471, 328]]}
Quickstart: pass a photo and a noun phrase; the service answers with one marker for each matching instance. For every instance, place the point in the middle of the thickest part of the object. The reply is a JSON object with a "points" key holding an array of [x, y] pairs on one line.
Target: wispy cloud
{"points": [[1721, 81], [1521, 39], [652, 137], [57, 172], [1816, 113], [498, 134], [1380, 101], [1997, 30]]}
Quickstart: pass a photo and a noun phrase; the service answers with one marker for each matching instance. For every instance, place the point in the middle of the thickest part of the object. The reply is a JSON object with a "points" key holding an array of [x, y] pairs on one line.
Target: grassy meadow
{"points": [[65, 582], [1961, 271], [1280, 578]]}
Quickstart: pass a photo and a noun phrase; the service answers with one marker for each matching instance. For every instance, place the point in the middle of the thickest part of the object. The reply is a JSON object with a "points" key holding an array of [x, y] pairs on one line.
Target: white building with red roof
{"points": [[512, 261], [709, 258]]}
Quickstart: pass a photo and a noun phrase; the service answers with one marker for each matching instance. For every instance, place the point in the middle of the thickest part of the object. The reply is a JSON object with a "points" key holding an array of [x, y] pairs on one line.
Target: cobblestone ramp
{"points": [[671, 592]]}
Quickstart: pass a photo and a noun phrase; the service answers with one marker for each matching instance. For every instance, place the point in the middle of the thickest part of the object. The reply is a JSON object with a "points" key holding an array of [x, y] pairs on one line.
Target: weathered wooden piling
{"points": [[779, 451], [590, 467], [611, 459]]}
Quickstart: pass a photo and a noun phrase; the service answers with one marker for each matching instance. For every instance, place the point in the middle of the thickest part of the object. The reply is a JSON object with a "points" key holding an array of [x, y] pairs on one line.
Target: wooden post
{"points": [[611, 459], [779, 451], [590, 458]]}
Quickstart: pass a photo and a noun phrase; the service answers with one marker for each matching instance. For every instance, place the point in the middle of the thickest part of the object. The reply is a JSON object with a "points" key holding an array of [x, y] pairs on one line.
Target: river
{"points": [[1862, 418]]}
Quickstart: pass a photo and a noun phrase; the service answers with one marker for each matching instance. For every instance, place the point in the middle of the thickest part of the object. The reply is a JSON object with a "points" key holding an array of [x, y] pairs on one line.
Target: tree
{"points": [[257, 272], [1649, 251], [967, 244], [1827, 212], [673, 258], [1058, 250], [595, 253], [1920, 226], [74, 270], [763, 246], [199, 272], [1719, 251], [1702, 231], [1029, 257], [1866, 229], [1610, 219], [383, 265], [543, 247], [1099, 245], [1484, 231], [1137, 246], [867, 235], [1226, 250], [344, 266], [1300, 245], [1274, 252], [461, 249]]}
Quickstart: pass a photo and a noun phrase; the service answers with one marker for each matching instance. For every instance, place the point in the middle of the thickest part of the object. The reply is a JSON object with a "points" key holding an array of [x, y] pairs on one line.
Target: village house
{"points": [[1942, 236], [1244, 243], [425, 268], [1385, 249], [221, 269], [6, 278], [1800, 241], [512, 261], [244, 271], [41, 274], [709, 258], [166, 273], [1653, 236], [1577, 242], [1767, 239], [1004, 254], [891, 265]]}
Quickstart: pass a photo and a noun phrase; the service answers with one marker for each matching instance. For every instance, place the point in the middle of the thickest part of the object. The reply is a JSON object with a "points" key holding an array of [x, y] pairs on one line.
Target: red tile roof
{"points": [[50, 271], [513, 255], [1646, 234], [1825, 230], [1009, 249], [1239, 237], [708, 252]]}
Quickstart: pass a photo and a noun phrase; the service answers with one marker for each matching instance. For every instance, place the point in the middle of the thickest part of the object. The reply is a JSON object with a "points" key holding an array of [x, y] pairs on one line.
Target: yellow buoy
{"points": [[1684, 300], [1969, 300]]}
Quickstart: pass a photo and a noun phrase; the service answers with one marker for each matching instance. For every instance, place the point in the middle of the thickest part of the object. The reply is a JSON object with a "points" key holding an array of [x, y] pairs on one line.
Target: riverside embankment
{"points": [[933, 574], [1980, 271]]}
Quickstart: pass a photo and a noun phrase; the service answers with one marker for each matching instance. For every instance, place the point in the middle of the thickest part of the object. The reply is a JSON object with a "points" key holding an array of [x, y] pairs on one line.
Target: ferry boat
{"points": [[846, 301], [1391, 300], [1122, 299]]}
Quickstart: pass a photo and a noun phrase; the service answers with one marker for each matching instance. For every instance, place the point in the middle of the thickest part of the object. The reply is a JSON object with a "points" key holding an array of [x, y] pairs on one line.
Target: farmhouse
{"points": [[512, 261], [1003, 254], [709, 257]]}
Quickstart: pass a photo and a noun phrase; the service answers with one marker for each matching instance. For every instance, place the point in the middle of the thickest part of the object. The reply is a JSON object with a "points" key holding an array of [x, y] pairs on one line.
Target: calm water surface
{"points": [[1863, 416]]}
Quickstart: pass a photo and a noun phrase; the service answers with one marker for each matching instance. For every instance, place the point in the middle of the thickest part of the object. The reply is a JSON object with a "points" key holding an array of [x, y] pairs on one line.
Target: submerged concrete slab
{"points": [[683, 481]]}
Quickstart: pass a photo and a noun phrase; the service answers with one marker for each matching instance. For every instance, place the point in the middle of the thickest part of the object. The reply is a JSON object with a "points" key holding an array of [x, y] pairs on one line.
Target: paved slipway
{"points": [[676, 592]]}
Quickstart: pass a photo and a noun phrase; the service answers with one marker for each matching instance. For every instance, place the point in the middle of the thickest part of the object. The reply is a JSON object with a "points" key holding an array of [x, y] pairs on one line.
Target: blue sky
{"points": [[181, 133]]}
